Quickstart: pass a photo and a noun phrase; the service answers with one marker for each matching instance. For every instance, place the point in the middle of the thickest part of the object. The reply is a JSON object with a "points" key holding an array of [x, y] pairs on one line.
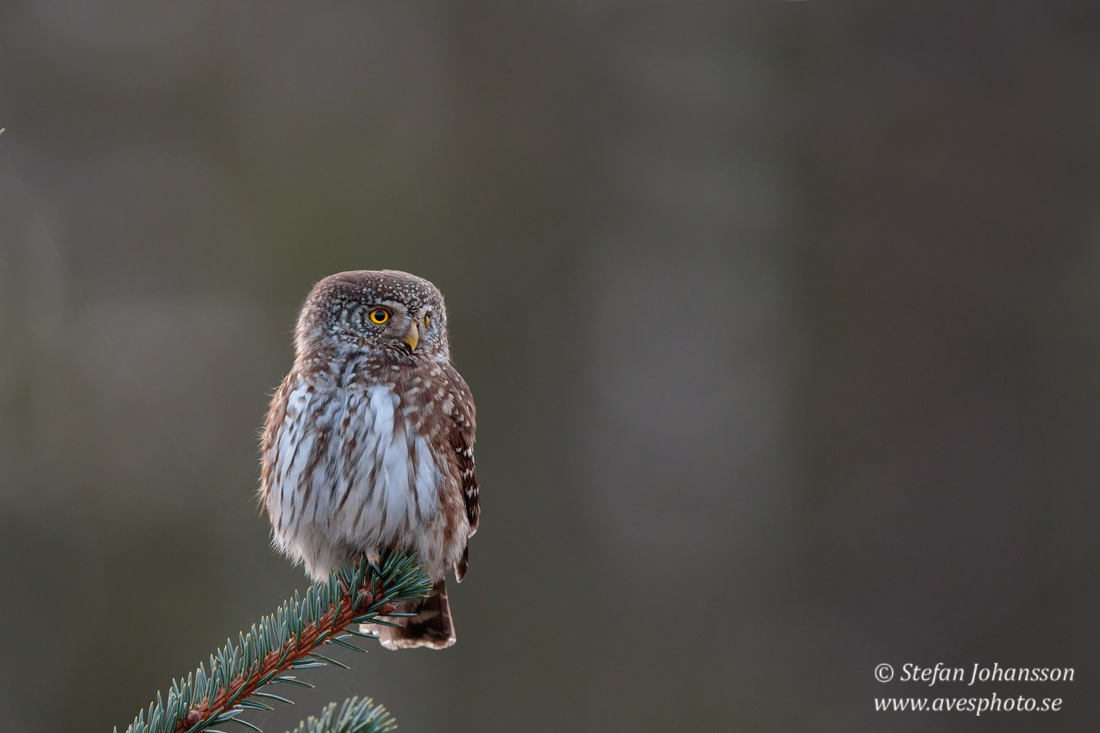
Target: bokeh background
{"points": [[783, 322]]}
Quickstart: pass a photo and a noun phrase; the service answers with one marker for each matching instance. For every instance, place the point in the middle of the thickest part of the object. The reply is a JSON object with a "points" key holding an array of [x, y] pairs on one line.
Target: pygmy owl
{"points": [[369, 441]]}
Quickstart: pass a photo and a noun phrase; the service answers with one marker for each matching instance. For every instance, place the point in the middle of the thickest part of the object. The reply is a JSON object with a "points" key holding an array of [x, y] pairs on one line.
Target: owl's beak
{"points": [[412, 336]]}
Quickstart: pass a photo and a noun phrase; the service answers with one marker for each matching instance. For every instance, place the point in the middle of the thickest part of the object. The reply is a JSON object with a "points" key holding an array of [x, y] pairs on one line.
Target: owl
{"points": [[369, 440]]}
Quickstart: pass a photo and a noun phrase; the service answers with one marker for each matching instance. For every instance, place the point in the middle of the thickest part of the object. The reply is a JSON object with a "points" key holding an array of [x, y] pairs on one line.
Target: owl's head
{"points": [[395, 316]]}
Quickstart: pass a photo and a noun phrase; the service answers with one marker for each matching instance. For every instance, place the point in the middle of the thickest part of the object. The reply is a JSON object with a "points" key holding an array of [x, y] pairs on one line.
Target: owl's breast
{"points": [[356, 464]]}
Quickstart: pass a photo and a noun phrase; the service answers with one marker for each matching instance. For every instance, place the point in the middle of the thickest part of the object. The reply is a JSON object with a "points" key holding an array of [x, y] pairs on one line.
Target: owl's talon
{"points": [[374, 560]]}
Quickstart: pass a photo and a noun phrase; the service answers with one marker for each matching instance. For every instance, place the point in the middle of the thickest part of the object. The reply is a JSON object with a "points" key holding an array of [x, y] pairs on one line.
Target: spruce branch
{"points": [[356, 716], [287, 640]]}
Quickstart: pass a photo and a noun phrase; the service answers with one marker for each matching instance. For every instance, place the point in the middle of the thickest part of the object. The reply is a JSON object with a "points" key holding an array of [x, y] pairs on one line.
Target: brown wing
{"points": [[464, 449], [461, 440]]}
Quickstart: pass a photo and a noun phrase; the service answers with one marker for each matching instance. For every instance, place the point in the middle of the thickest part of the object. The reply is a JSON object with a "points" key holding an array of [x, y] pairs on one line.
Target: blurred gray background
{"points": [[782, 319]]}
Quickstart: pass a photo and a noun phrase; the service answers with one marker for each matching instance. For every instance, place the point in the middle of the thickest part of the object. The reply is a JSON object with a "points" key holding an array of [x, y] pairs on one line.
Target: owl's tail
{"points": [[431, 626]]}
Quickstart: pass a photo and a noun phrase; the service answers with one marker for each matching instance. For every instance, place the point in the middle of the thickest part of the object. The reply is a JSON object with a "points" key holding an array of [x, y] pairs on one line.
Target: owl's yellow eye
{"points": [[427, 320], [380, 315]]}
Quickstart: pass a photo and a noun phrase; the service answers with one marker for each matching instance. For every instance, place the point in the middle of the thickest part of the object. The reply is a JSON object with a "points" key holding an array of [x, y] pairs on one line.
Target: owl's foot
{"points": [[374, 560]]}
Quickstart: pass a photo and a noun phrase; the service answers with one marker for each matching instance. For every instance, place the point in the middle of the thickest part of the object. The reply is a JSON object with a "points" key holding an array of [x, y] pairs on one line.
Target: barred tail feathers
{"points": [[431, 627]]}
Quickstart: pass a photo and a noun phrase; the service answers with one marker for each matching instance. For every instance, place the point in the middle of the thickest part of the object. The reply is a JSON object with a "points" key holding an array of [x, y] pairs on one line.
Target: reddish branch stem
{"points": [[350, 605]]}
